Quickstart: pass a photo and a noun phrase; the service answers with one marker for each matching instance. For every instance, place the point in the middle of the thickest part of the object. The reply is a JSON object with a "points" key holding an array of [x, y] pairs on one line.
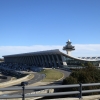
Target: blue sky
{"points": [[35, 25]]}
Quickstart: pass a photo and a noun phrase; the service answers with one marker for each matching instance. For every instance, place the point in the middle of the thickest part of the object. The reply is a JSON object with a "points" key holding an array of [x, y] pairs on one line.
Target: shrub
{"points": [[89, 74]]}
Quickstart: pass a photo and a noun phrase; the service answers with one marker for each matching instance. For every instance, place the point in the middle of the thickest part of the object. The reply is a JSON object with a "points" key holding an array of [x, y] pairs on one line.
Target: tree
{"points": [[89, 74]]}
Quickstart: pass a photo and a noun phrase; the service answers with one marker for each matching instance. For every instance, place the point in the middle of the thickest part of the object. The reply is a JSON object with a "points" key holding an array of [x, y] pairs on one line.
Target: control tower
{"points": [[68, 47]]}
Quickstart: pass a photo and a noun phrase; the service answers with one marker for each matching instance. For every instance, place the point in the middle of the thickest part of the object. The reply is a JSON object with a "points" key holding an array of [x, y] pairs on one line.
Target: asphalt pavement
{"points": [[38, 77], [4, 78]]}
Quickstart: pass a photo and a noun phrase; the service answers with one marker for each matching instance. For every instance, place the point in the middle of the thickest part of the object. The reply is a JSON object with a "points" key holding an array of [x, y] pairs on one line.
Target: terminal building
{"points": [[51, 58]]}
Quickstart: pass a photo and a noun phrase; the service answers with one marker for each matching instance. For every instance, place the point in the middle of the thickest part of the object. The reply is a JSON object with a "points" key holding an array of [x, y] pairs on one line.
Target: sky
{"points": [[35, 25]]}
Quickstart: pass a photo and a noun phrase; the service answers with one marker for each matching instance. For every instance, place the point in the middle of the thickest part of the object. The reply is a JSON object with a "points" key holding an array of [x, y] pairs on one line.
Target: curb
{"points": [[14, 82]]}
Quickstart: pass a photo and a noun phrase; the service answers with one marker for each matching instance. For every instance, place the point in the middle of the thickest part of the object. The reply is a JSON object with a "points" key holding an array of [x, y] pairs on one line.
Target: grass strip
{"points": [[51, 75]]}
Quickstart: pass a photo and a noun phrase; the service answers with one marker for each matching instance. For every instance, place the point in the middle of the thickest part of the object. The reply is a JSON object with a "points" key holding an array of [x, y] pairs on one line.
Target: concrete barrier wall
{"points": [[14, 82]]}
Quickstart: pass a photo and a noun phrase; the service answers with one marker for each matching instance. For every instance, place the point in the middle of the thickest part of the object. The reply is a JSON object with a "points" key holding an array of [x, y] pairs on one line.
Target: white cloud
{"points": [[80, 49], [87, 50]]}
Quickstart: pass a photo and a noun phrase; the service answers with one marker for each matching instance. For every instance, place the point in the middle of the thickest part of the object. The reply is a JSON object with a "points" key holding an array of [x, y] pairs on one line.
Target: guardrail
{"points": [[23, 88]]}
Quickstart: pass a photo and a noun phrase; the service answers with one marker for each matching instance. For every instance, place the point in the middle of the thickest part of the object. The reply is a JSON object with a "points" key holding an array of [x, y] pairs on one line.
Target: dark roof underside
{"points": [[56, 51]]}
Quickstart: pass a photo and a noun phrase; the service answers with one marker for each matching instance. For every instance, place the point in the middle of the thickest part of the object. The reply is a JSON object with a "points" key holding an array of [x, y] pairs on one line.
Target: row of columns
{"points": [[50, 60]]}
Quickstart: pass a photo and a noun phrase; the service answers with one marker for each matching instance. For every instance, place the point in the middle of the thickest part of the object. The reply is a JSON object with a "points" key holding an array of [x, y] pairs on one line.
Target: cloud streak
{"points": [[80, 49]]}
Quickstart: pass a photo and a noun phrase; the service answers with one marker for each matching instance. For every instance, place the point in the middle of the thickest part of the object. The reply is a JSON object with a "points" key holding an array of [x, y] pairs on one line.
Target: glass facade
{"points": [[78, 62]]}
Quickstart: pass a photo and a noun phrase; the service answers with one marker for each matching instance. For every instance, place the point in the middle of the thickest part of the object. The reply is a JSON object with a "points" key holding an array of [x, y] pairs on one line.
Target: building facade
{"points": [[51, 58]]}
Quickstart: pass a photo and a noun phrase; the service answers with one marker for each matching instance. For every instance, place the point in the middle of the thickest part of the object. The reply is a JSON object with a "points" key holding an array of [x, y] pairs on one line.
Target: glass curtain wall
{"points": [[71, 62]]}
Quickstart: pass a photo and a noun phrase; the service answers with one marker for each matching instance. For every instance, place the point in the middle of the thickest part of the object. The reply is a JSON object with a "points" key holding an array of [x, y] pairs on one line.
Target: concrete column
{"points": [[49, 60], [30, 60], [46, 61], [99, 65], [22, 60], [25, 59], [63, 60], [12, 59], [19, 60], [8, 59], [40, 61], [36, 61], [33, 57], [43, 62], [54, 61], [15, 59], [58, 61]]}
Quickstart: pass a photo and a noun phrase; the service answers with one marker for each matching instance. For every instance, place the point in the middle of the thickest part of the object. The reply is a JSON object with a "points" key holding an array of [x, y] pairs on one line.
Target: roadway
{"points": [[38, 77], [4, 78]]}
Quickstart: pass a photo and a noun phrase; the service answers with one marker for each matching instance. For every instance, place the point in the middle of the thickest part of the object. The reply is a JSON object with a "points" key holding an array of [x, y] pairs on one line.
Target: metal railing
{"points": [[23, 88]]}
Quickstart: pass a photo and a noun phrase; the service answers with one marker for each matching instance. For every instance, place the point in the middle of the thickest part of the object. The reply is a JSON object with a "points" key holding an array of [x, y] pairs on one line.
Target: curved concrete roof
{"points": [[79, 58], [55, 51]]}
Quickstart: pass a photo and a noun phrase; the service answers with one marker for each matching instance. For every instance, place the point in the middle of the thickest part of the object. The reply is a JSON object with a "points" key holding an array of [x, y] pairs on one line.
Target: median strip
{"points": [[51, 75]]}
